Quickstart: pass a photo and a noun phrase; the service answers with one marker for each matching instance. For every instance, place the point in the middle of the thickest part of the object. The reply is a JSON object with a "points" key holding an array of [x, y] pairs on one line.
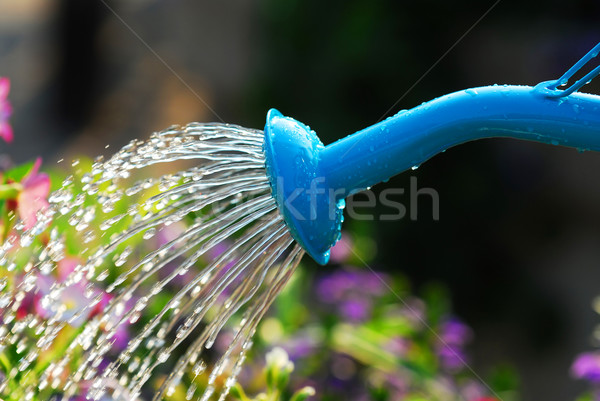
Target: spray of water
{"points": [[224, 197]]}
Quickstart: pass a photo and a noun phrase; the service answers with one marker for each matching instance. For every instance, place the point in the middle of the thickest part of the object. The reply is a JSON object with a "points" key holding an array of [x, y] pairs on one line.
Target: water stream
{"points": [[224, 197]]}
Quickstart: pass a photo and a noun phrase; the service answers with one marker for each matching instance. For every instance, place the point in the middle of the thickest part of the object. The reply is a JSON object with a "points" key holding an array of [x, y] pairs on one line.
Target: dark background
{"points": [[518, 238]]}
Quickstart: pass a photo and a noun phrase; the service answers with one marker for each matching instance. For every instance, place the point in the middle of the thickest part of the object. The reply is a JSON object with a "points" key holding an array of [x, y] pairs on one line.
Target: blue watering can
{"points": [[310, 180]]}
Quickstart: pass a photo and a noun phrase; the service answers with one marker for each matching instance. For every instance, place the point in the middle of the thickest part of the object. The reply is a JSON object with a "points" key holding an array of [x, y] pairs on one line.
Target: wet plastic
{"points": [[310, 181], [409, 138]]}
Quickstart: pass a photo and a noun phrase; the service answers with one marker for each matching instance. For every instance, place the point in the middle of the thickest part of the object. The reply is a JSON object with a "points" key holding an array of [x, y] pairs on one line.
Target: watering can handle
{"points": [[549, 88]]}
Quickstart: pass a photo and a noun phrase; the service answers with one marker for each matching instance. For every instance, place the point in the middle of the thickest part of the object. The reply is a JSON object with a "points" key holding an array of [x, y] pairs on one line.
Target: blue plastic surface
{"points": [[411, 137], [292, 159], [310, 181]]}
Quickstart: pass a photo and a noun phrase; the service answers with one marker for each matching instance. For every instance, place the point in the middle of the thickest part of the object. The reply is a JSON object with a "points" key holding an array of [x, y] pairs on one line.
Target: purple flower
{"points": [[121, 332], [453, 331], [301, 346], [76, 299], [453, 335], [6, 131], [451, 357], [303, 343], [587, 366], [72, 298], [337, 286], [218, 250], [352, 292], [355, 310]]}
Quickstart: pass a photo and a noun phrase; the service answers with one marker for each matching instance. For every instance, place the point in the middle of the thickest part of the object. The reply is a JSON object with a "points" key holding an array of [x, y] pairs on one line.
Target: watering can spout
{"points": [[310, 181], [411, 137]]}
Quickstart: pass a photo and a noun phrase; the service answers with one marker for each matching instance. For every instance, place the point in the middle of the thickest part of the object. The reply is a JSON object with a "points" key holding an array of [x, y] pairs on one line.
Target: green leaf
{"points": [[238, 392], [19, 172]]}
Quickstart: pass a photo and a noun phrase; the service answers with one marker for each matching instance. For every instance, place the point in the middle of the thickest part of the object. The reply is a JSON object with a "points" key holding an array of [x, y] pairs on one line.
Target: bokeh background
{"points": [[518, 239]]}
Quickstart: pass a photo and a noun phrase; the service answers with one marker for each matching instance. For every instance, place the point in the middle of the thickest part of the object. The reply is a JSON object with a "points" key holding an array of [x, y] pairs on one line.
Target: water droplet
{"points": [[163, 356], [122, 258], [103, 275], [191, 391], [149, 233]]}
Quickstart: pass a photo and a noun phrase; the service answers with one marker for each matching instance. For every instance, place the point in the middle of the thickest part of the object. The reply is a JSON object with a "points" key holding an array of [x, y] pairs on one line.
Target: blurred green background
{"points": [[518, 238]]}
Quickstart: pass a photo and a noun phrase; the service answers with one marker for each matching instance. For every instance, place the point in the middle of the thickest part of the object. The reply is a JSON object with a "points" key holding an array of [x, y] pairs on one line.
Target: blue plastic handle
{"points": [[310, 181]]}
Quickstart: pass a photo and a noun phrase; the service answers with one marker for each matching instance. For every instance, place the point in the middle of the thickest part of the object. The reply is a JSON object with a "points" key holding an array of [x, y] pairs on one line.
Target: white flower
{"points": [[279, 359]]}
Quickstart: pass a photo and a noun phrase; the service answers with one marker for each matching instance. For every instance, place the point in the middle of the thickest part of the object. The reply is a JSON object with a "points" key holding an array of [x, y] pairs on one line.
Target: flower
{"points": [[398, 345], [304, 343], [279, 359], [474, 390], [75, 300], [342, 249], [339, 285], [278, 369], [33, 197], [453, 336], [587, 366], [73, 297], [356, 310], [6, 131], [352, 292]]}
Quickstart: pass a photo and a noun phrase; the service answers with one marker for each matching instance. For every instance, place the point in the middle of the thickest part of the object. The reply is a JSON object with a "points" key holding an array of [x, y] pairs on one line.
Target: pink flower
{"points": [[75, 300], [342, 249], [474, 390], [73, 297], [33, 197], [6, 131], [587, 366], [121, 331]]}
